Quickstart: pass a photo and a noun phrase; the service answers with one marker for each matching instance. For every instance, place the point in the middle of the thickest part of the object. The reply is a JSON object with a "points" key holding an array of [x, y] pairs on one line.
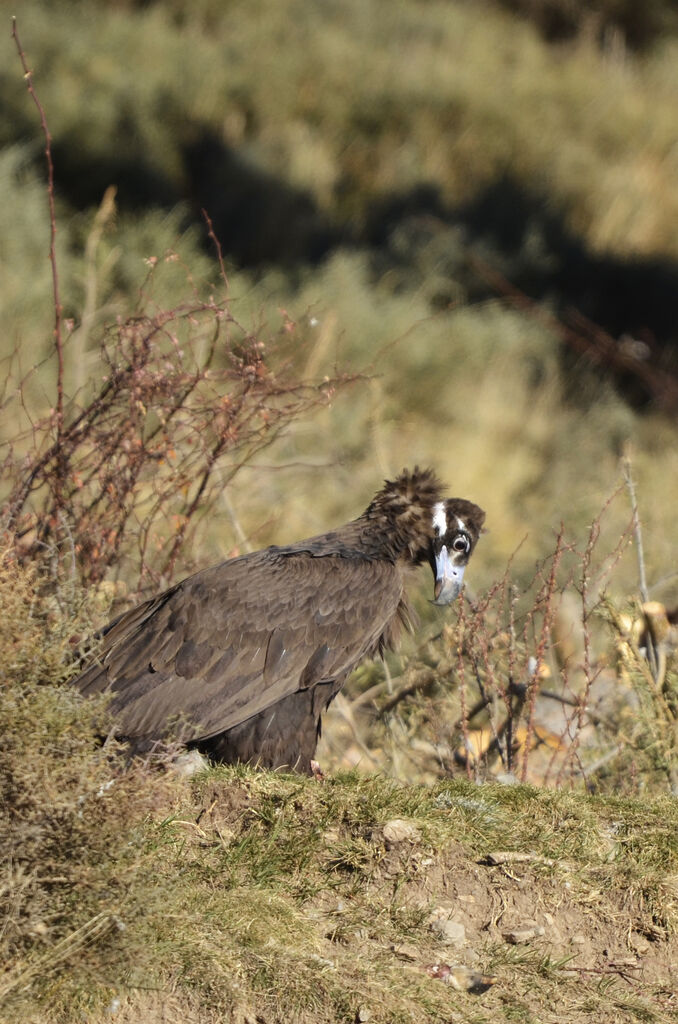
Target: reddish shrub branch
{"points": [[165, 428], [58, 338], [124, 469]]}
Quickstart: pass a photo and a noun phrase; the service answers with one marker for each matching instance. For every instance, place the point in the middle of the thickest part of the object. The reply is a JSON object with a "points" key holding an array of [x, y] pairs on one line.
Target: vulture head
{"points": [[457, 524], [421, 525]]}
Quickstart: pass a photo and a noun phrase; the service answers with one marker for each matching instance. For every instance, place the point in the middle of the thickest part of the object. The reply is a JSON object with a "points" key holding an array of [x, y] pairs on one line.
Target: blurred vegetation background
{"points": [[380, 176]]}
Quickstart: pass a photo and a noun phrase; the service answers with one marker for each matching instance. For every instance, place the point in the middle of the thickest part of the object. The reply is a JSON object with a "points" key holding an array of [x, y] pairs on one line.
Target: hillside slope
{"points": [[247, 896]]}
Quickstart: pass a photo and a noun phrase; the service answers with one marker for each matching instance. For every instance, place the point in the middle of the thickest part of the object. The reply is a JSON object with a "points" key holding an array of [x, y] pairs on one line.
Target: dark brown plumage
{"points": [[241, 659]]}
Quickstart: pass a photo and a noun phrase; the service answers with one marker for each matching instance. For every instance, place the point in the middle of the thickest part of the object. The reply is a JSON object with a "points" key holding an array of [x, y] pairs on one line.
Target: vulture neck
{"points": [[367, 538], [380, 537], [397, 525]]}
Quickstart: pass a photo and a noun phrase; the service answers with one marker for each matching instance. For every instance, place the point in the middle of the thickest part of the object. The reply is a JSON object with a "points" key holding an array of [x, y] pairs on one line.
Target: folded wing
{"points": [[236, 639]]}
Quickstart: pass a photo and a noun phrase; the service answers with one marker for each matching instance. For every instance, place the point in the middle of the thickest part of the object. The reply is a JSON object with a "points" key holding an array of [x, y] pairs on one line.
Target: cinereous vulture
{"points": [[240, 660]]}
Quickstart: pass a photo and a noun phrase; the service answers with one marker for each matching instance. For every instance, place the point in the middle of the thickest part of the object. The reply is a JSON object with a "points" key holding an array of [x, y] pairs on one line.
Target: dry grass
{"points": [[241, 893], [275, 897]]}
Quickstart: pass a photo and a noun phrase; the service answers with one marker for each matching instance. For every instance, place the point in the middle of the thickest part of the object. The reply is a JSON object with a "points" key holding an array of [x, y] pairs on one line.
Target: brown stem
{"points": [[548, 591], [58, 339], [217, 245]]}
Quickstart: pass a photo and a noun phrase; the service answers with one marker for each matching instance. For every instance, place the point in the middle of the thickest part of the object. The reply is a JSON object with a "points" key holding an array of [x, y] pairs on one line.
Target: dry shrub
{"points": [[120, 471], [186, 398], [551, 683], [613, 24], [39, 624]]}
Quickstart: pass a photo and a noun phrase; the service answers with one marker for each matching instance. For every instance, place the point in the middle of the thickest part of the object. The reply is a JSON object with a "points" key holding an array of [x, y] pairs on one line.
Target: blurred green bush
{"points": [[359, 160]]}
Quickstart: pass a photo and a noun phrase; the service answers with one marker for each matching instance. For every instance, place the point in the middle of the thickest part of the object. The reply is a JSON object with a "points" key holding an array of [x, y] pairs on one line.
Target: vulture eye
{"points": [[461, 543]]}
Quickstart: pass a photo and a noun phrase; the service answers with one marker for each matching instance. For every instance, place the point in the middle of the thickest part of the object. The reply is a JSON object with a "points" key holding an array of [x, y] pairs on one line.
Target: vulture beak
{"points": [[449, 577]]}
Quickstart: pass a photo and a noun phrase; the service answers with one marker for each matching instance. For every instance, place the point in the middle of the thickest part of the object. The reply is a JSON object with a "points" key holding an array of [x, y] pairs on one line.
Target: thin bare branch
{"points": [[58, 339]]}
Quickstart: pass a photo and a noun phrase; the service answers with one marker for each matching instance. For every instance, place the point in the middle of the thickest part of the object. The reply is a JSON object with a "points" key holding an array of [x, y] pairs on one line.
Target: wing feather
{"points": [[235, 639]]}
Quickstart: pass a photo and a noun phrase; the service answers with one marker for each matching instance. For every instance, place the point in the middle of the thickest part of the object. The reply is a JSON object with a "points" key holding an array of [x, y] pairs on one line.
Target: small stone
{"points": [[507, 779], [405, 952], [362, 1015], [398, 830], [452, 933], [638, 943], [189, 763]]}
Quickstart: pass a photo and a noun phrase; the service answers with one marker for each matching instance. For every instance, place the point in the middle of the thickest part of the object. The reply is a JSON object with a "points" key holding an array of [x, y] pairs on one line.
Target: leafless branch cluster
{"points": [[547, 682], [187, 396], [121, 470]]}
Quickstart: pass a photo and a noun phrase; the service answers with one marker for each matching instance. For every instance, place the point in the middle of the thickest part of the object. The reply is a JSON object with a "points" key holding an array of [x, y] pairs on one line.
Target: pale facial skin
{"points": [[451, 547]]}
